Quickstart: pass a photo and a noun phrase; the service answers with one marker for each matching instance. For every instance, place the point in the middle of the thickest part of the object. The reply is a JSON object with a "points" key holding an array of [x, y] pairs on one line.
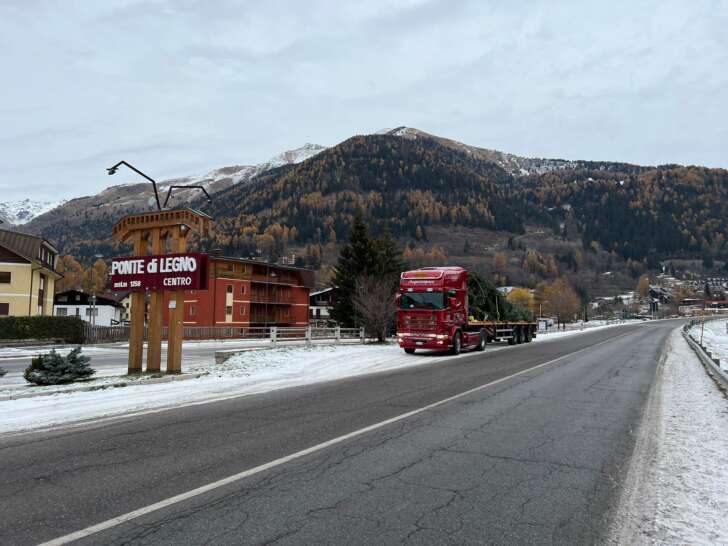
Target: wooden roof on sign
{"points": [[195, 220]]}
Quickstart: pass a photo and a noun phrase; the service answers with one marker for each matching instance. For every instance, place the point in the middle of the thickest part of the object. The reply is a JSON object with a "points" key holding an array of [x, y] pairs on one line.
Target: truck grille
{"points": [[419, 322]]}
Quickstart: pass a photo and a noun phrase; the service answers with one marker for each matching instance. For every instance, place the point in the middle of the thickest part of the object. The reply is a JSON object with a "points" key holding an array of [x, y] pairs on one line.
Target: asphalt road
{"points": [[535, 458]]}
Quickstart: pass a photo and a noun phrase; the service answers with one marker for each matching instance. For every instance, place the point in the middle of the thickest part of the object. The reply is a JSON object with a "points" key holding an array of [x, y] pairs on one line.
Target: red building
{"points": [[248, 293]]}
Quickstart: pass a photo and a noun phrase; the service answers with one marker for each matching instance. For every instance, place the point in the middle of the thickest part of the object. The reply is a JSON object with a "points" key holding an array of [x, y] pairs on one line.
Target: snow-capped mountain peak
{"points": [[23, 211], [295, 156]]}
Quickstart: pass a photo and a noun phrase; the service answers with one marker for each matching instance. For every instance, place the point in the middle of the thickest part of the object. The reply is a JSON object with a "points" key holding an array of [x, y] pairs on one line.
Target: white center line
{"points": [[113, 522]]}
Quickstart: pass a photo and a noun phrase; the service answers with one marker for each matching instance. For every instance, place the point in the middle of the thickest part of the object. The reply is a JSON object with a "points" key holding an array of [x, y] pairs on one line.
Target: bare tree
{"points": [[374, 303], [560, 299]]}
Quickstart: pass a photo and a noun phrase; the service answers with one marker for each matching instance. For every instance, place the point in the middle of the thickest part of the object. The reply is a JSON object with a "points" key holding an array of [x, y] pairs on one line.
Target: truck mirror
{"points": [[397, 299], [452, 294]]}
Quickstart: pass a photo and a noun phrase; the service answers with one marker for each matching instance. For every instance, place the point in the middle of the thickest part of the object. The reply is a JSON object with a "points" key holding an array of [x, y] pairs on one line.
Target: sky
{"points": [[179, 87]]}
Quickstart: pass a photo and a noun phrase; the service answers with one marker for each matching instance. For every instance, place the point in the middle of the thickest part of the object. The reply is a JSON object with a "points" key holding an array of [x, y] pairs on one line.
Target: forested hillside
{"points": [[662, 212], [527, 219], [408, 185], [398, 184]]}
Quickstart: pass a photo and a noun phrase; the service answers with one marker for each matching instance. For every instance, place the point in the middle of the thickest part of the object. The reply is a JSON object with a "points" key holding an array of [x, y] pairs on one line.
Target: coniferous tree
{"points": [[54, 369], [363, 257], [357, 258]]}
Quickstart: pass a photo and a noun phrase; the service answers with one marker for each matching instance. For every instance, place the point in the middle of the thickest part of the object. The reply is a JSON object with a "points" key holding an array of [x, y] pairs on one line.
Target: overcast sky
{"points": [[183, 86]]}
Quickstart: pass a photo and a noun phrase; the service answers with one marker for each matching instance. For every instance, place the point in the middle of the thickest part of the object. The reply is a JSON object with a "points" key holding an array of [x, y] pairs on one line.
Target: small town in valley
{"points": [[401, 335]]}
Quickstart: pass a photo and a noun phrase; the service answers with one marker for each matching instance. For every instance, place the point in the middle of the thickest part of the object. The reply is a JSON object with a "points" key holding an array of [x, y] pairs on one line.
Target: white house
{"points": [[74, 303]]}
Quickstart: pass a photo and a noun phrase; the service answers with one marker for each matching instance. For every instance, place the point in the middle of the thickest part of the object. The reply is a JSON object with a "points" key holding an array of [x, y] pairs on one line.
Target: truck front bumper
{"points": [[423, 341]]}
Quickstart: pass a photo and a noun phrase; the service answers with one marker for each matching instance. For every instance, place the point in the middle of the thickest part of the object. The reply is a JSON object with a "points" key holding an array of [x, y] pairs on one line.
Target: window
{"points": [[5, 277], [95, 311], [229, 310], [4, 309], [193, 310], [229, 288], [61, 311], [78, 311], [242, 289], [241, 311], [422, 300]]}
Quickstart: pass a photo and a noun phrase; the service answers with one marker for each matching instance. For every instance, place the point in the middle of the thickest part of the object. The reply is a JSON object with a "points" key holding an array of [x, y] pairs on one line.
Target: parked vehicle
{"points": [[433, 313]]}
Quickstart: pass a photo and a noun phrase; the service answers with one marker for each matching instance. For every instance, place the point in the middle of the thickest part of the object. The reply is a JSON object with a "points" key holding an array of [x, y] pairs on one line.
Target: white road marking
{"points": [[113, 522]]}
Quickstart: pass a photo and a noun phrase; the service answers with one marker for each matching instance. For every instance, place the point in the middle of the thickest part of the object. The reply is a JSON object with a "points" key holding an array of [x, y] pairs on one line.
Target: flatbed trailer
{"points": [[433, 314]]}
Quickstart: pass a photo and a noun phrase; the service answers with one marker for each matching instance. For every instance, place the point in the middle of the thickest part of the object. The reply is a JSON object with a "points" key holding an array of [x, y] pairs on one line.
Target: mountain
{"points": [[514, 165], [549, 215], [21, 212], [86, 221], [414, 184]]}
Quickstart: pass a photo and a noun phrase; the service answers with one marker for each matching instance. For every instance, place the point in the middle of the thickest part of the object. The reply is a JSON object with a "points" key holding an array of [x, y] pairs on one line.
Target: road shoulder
{"points": [[675, 486]]}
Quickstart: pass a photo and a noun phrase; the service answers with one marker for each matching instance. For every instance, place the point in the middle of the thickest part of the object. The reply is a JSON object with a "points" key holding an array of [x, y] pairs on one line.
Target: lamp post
{"points": [[112, 170]]}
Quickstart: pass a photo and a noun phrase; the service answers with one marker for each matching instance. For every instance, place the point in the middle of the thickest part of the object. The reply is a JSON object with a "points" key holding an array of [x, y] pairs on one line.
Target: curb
{"points": [[707, 360], [128, 383]]}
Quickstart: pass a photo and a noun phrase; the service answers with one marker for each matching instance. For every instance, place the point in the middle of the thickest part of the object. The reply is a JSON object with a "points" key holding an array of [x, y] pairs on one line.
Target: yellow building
{"points": [[27, 274]]}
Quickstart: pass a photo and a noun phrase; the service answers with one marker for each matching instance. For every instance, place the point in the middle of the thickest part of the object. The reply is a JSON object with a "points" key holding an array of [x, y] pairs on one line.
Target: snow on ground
{"points": [[249, 373], [253, 371], [677, 485], [715, 338]]}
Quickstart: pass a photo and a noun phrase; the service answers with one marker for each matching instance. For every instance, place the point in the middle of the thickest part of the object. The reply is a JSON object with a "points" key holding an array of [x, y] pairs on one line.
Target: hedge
{"points": [[67, 329]]}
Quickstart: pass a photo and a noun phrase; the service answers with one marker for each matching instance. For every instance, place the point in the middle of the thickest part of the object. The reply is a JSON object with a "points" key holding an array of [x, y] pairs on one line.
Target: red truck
{"points": [[432, 313]]}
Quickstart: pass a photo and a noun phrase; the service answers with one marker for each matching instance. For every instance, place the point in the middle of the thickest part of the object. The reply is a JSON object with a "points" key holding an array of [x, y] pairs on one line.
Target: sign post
{"points": [[167, 268]]}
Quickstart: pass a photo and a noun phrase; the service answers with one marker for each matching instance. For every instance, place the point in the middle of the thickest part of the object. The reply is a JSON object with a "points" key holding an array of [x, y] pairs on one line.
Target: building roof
{"points": [[24, 245], [323, 291], [83, 299]]}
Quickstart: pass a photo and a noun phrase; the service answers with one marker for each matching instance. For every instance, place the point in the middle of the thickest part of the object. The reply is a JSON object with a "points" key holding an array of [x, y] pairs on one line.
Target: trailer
{"points": [[433, 314]]}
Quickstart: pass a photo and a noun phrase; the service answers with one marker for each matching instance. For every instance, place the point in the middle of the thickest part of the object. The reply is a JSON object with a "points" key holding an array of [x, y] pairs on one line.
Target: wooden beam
{"points": [[154, 343], [138, 302], [177, 313]]}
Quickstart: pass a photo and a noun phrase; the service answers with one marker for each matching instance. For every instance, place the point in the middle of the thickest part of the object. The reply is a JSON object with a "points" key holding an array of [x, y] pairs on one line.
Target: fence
{"points": [[112, 334], [105, 334]]}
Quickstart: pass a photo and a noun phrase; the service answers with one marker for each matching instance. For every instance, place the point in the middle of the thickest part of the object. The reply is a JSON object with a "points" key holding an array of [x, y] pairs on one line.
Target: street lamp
{"points": [[112, 170]]}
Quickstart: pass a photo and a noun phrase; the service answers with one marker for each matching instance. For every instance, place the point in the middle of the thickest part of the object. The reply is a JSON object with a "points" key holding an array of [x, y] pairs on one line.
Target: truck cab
{"points": [[432, 311]]}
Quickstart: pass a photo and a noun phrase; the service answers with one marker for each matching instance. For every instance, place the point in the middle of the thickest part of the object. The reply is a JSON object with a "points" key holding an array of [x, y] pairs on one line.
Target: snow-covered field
{"points": [[251, 372], [677, 487], [715, 338]]}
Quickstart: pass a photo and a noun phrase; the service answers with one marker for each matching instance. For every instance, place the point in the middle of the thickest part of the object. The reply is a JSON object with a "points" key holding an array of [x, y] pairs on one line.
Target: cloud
{"points": [[184, 86]]}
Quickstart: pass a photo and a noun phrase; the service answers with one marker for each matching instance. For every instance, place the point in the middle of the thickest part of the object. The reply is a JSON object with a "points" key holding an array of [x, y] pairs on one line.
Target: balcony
{"points": [[270, 319], [288, 280], [276, 299]]}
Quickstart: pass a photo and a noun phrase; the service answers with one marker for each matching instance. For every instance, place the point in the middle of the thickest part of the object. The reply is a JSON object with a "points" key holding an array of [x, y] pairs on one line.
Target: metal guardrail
{"points": [[711, 364], [274, 334]]}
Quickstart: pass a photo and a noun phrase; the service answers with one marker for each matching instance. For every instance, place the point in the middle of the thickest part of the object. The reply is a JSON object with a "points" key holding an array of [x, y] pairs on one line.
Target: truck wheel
{"points": [[457, 344], [528, 336], [409, 351], [481, 343], [519, 335]]}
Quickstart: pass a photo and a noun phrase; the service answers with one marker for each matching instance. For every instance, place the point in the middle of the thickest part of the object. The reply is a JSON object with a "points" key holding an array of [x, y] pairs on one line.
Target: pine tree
{"points": [[388, 257], [54, 369], [357, 258]]}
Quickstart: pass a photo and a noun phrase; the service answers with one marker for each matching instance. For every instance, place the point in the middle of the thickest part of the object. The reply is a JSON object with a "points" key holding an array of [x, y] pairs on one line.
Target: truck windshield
{"points": [[422, 300]]}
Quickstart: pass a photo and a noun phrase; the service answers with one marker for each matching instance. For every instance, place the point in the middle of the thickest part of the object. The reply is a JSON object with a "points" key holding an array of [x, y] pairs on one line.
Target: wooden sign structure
{"points": [[158, 233]]}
